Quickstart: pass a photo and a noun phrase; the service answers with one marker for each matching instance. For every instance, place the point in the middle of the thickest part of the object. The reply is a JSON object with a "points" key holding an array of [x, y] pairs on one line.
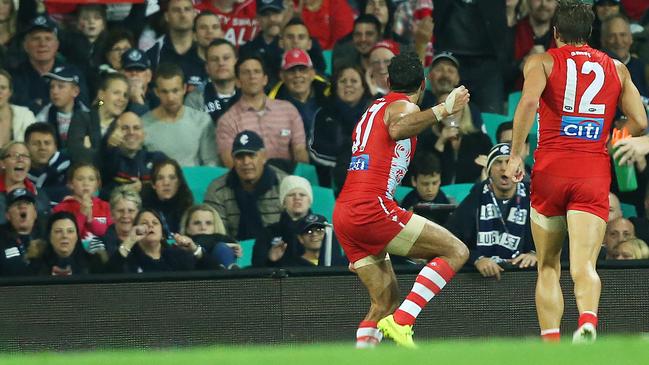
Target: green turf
{"points": [[611, 350]]}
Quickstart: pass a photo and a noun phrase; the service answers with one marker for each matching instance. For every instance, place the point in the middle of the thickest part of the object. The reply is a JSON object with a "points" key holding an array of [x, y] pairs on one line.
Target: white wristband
{"points": [[198, 251], [438, 110]]}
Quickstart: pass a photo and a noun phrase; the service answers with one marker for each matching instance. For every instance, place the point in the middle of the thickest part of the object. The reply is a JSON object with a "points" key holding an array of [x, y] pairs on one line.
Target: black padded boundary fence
{"points": [[268, 307]]}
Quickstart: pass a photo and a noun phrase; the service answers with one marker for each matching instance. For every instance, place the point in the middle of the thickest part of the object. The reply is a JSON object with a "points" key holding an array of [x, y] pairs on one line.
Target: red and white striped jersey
{"points": [[378, 162]]}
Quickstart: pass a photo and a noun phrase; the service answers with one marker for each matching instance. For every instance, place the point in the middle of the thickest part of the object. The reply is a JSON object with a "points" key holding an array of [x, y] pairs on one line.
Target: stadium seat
{"points": [[323, 202], [199, 178], [328, 54], [628, 210], [491, 123], [246, 247], [401, 193], [512, 103], [457, 192], [308, 172]]}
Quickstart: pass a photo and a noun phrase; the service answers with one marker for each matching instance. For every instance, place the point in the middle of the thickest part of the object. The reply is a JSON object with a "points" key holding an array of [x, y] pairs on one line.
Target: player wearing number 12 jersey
{"points": [[579, 90], [369, 223]]}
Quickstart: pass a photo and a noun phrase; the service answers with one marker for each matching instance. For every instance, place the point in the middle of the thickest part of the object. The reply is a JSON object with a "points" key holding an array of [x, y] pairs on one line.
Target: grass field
{"points": [[609, 350]]}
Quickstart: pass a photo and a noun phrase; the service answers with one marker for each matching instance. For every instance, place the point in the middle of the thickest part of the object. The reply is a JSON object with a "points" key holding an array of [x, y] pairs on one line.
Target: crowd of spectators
{"points": [[102, 106]]}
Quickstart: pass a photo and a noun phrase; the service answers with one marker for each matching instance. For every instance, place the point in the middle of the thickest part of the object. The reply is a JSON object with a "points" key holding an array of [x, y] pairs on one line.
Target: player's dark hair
{"points": [[573, 20], [425, 163], [406, 73]]}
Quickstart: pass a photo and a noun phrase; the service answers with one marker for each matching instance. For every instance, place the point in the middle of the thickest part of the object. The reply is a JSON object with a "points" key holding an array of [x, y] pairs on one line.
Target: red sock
{"points": [[430, 281], [587, 317], [367, 335], [551, 335]]}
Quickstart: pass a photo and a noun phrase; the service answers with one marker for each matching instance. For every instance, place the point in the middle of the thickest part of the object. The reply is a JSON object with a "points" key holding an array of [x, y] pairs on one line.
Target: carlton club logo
{"points": [[134, 56], [589, 129], [244, 139]]}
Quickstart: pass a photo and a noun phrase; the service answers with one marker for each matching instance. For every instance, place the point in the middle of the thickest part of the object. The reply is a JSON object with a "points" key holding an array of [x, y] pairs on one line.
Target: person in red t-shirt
{"points": [[238, 18], [92, 214], [327, 20], [579, 90]]}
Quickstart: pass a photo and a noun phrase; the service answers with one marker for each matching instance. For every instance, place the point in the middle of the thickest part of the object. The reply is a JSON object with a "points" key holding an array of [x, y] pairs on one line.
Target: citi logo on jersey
{"points": [[359, 163], [589, 129]]}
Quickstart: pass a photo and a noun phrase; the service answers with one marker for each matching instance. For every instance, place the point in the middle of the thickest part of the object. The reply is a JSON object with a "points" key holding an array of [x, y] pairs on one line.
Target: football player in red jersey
{"points": [[577, 90], [369, 223]]}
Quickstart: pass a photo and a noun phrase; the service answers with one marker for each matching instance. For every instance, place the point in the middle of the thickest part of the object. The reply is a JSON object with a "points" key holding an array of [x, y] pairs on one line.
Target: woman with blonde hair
{"points": [[203, 224], [633, 249], [14, 119]]}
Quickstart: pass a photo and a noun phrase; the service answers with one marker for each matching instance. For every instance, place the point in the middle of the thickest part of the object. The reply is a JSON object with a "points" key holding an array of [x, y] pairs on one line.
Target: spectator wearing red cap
{"points": [[327, 20], [377, 75], [277, 122], [296, 35], [301, 86]]}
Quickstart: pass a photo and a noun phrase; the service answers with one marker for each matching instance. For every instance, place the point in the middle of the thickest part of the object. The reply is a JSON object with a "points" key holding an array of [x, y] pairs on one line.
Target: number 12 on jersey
{"points": [[586, 105]]}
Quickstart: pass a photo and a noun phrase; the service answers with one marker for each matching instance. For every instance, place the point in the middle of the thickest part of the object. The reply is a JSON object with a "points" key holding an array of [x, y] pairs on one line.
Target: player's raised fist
{"points": [[457, 100]]}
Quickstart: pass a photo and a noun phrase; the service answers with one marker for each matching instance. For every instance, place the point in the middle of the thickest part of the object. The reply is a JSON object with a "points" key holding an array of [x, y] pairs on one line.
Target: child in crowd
{"points": [[92, 214], [426, 179], [64, 90]]}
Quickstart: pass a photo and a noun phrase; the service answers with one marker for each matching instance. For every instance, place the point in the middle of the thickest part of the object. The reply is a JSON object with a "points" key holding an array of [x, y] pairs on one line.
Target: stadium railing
{"points": [[280, 306]]}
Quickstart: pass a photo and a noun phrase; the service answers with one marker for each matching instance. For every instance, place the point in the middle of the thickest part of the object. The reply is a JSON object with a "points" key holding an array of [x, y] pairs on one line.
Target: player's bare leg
{"points": [[437, 241], [449, 255], [381, 284], [586, 232], [549, 234]]}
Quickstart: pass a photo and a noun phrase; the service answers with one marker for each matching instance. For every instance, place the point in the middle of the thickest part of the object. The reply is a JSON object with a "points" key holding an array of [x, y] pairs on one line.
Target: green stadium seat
{"points": [[512, 103], [323, 201], [199, 178], [491, 123], [457, 192], [246, 247], [628, 210], [308, 172], [328, 55], [401, 193]]}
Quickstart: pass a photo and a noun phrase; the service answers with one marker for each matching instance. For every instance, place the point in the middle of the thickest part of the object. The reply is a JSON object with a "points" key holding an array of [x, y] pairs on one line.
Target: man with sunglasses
{"points": [[312, 236]]}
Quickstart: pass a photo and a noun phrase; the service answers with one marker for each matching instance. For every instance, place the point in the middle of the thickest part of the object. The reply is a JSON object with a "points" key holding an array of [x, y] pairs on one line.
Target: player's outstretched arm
{"points": [[535, 81], [631, 103], [404, 119]]}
